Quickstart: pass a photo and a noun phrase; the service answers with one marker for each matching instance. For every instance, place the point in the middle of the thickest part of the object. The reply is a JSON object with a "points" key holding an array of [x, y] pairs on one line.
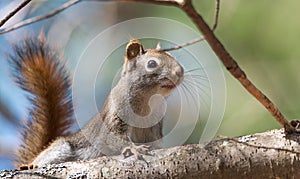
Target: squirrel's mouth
{"points": [[168, 84], [166, 87]]}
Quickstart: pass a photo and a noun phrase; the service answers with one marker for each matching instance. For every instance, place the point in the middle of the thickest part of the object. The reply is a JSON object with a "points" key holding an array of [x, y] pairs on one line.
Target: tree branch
{"points": [[184, 45], [38, 18], [264, 155], [159, 2], [11, 14], [232, 65], [64, 7], [217, 10]]}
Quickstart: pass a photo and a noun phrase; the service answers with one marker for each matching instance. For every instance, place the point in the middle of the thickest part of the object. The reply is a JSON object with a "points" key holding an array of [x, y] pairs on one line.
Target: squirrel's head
{"points": [[150, 71]]}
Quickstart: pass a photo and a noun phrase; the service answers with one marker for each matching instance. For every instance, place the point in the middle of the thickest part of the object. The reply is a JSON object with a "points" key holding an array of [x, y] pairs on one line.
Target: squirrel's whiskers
{"points": [[195, 87]]}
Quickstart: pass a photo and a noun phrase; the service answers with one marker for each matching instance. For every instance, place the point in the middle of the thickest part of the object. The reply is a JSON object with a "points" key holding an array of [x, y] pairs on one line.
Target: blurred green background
{"points": [[262, 36]]}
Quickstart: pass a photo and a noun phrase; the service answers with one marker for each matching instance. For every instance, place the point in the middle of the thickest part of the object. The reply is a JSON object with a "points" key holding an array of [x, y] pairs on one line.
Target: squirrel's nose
{"points": [[178, 74], [178, 71]]}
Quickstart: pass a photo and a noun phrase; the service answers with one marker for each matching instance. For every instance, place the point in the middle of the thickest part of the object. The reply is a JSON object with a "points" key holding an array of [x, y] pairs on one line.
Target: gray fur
{"points": [[107, 133]]}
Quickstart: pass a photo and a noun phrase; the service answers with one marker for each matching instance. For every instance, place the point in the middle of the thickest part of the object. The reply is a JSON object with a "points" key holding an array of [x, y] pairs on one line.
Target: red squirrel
{"points": [[39, 71]]}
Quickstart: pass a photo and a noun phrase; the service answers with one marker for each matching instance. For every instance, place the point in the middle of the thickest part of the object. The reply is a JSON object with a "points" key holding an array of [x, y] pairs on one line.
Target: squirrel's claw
{"points": [[137, 151], [27, 166]]}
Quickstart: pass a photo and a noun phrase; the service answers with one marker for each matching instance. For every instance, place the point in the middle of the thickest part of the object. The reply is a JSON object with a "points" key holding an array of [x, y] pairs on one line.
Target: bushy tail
{"points": [[38, 70]]}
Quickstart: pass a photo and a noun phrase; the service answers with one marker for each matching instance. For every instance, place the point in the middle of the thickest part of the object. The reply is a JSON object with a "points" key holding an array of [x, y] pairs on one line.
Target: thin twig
{"points": [[184, 45], [159, 2], [216, 20], [38, 18], [12, 13], [217, 10]]}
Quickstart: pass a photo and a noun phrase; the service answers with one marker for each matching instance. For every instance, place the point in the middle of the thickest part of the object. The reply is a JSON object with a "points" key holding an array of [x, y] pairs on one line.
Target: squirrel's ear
{"points": [[158, 47], [133, 49]]}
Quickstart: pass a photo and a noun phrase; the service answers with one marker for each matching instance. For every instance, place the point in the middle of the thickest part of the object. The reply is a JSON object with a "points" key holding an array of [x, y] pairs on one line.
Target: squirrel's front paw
{"points": [[137, 151], [27, 166]]}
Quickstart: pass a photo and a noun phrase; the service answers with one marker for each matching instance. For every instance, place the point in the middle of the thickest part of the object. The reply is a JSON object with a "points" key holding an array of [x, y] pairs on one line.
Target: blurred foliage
{"points": [[263, 38]]}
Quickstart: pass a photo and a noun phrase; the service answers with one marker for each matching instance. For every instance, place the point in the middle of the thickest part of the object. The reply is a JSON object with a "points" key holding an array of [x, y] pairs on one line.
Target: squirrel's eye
{"points": [[152, 64]]}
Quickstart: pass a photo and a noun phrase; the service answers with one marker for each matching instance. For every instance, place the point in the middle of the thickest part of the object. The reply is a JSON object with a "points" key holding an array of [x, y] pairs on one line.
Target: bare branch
{"points": [[262, 155], [184, 45], [159, 2], [217, 10], [12, 13], [201, 38], [71, 3], [42, 17]]}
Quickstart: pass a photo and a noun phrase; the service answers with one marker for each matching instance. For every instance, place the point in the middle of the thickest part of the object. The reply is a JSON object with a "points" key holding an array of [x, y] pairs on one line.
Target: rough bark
{"points": [[271, 154]]}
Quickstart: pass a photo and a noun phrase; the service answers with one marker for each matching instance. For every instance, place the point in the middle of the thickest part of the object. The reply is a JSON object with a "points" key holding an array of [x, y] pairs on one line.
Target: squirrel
{"points": [[132, 112]]}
